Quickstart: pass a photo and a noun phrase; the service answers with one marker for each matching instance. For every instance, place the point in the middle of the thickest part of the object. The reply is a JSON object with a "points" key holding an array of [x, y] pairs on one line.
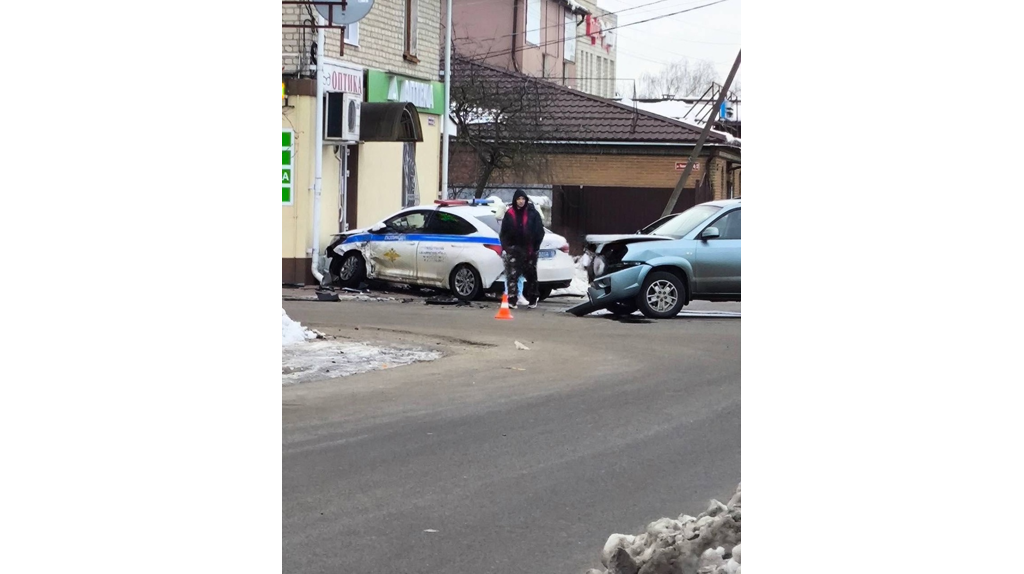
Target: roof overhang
{"points": [[389, 122]]}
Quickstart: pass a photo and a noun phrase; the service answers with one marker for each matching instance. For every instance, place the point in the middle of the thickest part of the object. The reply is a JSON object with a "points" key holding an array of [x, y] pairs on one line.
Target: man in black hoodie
{"points": [[522, 232]]}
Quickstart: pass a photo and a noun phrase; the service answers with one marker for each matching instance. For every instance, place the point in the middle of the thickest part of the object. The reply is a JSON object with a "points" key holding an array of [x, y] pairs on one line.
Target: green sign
{"points": [[287, 164], [427, 96]]}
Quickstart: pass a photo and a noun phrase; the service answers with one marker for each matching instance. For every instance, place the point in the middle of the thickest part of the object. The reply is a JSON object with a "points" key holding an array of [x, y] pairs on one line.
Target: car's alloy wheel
{"points": [[353, 270], [662, 295], [465, 283]]}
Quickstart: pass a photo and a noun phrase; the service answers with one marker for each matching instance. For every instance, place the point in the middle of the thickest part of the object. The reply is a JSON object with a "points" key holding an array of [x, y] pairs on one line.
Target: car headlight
{"points": [[599, 266]]}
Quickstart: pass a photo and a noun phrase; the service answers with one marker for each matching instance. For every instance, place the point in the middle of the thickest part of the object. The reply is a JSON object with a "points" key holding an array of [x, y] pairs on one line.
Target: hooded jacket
{"points": [[522, 228]]}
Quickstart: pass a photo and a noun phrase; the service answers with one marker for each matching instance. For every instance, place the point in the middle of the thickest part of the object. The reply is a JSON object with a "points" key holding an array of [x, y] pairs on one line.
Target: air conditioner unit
{"points": [[341, 117]]}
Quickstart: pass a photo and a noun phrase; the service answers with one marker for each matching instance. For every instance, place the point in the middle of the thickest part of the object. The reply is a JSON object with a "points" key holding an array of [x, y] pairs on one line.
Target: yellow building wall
{"points": [[296, 219], [428, 159], [380, 181], [380, 173]]}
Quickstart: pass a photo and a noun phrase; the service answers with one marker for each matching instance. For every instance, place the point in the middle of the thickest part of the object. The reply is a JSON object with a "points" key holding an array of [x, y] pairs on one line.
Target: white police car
{"points": [[453, 246]]}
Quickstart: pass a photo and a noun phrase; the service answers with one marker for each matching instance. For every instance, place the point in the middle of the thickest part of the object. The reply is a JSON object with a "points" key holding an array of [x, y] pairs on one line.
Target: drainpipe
{"points": [[318, 148], [515, 34], [447, 100]]}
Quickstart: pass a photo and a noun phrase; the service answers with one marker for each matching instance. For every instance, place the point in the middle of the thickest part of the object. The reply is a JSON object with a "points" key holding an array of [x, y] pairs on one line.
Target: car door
{"points": [[441, 246], [394, 250], [717, 259]]}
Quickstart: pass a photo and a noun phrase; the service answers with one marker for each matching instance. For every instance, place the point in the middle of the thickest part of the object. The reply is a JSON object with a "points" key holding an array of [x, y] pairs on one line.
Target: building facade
{"points": [[532, 37], [606, 167], [384, 103], [595, 51]]}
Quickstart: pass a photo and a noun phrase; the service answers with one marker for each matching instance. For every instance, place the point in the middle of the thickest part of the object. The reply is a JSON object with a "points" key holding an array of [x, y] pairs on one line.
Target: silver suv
{"points": [[694, 255]]}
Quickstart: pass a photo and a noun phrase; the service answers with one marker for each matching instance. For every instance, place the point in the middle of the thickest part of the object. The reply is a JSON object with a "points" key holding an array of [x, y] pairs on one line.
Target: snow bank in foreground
{"points": [[292, 331], [706, 544], [319, 360], [304, 360]]}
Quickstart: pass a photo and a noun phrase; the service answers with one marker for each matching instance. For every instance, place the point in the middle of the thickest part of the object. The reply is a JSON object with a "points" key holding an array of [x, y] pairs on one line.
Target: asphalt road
{"points": [[494, 459]]}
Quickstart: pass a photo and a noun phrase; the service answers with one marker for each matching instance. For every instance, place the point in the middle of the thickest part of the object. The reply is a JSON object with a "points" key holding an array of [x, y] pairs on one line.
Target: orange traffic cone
{"points": [[504, 312]]}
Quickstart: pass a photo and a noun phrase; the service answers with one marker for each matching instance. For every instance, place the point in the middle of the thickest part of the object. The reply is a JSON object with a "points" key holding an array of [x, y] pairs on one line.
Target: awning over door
{"points": [[389, 122]]}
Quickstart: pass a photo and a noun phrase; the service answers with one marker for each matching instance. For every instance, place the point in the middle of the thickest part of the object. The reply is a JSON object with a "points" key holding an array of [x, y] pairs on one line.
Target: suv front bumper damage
{"points": [[607, 289]]}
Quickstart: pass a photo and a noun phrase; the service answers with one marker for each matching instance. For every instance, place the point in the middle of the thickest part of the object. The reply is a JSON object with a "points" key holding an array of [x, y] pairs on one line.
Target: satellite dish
{"points": [[354, 11]]}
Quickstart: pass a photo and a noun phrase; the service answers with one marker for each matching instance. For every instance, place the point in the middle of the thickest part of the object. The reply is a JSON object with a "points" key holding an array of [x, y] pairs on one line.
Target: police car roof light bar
{"points": [[448, 202]]}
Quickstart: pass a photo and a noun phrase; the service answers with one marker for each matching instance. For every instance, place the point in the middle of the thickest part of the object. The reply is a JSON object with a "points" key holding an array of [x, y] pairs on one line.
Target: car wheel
{"points": [[465, 283], [544, 293], [352, 271], [623, 307], [661, 296]]}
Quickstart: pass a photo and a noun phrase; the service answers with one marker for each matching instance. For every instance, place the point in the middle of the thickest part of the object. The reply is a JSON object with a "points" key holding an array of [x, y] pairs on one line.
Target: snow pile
{"points": [[579, 285], [543, 205], [320, 360], [706, 544], [498, 207], [293, 332]]}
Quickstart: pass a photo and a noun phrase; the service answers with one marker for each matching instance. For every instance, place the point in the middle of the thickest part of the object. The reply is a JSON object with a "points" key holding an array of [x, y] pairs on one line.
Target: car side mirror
{"points": [[377, 228], [710, 233]]}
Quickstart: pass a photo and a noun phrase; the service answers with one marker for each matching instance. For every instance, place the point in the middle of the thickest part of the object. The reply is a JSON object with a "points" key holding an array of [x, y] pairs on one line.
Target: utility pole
{"points": [[700, 141]]}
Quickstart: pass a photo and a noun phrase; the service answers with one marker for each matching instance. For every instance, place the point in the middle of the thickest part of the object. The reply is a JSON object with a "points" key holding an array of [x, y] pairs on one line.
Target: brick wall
{"points": [[381, 39], [590, 170], [718, 181]]}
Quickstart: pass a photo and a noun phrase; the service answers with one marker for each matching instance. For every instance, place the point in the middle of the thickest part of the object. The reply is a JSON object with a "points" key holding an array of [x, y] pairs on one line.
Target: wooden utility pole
{"points": [[700, 141]]}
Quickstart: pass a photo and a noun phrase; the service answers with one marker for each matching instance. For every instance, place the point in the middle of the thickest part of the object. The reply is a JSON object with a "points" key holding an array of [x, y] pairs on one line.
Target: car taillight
{"points": [[564, 248], [494, 248]]}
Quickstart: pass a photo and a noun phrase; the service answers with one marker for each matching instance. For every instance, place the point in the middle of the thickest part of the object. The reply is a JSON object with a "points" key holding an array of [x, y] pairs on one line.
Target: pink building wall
{"points": [[482, 27]]}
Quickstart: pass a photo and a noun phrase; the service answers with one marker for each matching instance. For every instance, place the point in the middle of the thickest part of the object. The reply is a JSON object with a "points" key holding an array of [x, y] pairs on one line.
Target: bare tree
{"points": [[501, 118], [679, 79]]}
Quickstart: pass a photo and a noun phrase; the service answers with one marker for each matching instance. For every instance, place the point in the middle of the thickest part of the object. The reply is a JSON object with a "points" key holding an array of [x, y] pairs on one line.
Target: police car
{"points": [[452, 246]]}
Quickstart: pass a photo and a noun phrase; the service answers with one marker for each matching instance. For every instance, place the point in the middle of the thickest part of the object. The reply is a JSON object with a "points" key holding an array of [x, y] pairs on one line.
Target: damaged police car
{"points": [[453, 246]]}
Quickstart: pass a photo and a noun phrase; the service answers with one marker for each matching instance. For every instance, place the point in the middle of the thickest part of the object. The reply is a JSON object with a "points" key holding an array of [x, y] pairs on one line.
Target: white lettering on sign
{"points": [[421, 95], [339, 77], [681, 165]]}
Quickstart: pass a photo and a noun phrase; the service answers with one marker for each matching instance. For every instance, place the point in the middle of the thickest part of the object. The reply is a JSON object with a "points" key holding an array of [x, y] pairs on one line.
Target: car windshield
{"points": [[686, 221], [651, 226]]}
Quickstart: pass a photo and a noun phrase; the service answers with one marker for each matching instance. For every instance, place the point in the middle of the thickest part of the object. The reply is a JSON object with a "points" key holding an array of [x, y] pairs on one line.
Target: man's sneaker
{"points": [[511, 305], [533, 305], [522, 301]]}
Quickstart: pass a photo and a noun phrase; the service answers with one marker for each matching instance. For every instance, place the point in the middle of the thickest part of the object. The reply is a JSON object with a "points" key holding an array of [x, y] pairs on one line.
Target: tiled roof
{"points": [[570, 115]]}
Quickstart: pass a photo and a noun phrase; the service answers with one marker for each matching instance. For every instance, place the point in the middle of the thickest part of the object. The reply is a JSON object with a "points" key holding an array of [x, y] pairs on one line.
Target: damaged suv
{"points": [[694, 255]]}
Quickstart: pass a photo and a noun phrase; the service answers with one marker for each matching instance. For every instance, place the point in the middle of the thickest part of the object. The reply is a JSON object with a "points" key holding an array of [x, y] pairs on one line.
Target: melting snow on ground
{"points": [[307, 356]]}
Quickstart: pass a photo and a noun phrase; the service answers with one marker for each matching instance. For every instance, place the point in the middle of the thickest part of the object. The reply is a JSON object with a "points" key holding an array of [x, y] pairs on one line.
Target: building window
{"points": [[570, 37], [533, 8], [411, 18], [352, 34], [586, 72]]}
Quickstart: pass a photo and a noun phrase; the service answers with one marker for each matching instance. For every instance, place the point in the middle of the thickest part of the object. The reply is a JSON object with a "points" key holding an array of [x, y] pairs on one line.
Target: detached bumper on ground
{"points": [[607, 289]]}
